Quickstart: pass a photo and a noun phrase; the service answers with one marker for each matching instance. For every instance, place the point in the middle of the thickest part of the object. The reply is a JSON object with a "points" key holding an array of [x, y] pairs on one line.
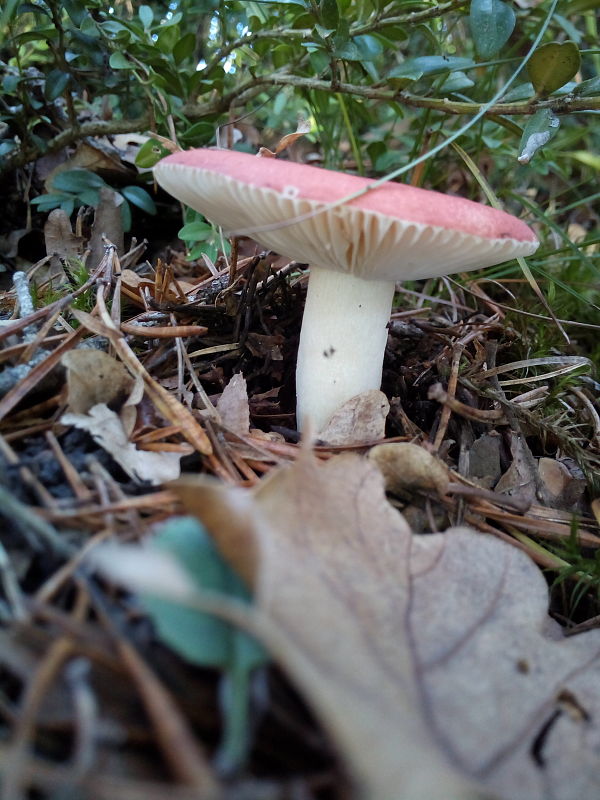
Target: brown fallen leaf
{"points": [[108, 223], [61, 245], [559, 487], [519, 480], [407, 467], [431, 660], [108, 431], [94, 377], [233, 406], [360, 420]]}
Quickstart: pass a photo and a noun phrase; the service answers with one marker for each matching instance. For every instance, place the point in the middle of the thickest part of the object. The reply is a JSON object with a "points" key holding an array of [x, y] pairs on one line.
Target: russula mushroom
{"points": [[357, 251]]}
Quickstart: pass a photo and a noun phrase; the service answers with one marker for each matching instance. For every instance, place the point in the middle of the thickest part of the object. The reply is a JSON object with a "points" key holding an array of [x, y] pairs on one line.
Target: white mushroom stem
{"points": [[342, 342]]}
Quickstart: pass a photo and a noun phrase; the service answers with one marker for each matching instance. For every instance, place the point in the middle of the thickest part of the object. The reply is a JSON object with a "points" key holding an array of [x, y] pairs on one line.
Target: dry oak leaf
{"points": [[431, 660], [360, 420]]}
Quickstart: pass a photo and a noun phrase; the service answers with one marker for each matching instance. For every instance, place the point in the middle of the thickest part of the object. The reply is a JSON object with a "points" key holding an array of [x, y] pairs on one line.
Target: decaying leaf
{"points": [[94, 377], [407, 467], [484, 459], [519, 480], [431, 659], [359, 420], [559, 487], [108, 223], [61, 245], [286, 141], [108, 431], [233, 406]]}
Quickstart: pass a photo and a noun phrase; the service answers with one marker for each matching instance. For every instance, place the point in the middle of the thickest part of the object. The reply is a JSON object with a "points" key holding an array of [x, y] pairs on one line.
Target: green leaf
{"points": [[46, 202], [195, 232], [139, 197], [330, 13], [369, 47], [540, 128], [76, 181], [457, 82], [414, 68], [198, 134], [76, 11], [588, 88], [56, 82], [89, 27], [8, 12], [184, 48], [118, 61], [126, 216], [146, 16], [36, 35], [492, 23], [206, 640], [522, 91], [347, 51], [553, 65], [150, 153]]}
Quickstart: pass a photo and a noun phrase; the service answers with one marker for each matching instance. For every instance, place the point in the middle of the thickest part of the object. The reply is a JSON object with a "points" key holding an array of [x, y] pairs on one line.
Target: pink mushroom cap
{"points": [[392, 232]]}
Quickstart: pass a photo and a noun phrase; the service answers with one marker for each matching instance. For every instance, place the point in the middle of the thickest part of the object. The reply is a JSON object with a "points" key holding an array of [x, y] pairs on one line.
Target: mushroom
{"points": [[357, 250]]}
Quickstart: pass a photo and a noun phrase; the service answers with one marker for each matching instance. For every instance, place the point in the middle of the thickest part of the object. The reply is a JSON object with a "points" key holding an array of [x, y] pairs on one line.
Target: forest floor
{"points": [[119, 376]]}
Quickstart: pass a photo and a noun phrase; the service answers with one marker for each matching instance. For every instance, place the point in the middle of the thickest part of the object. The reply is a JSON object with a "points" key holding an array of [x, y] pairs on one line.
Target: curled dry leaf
{"points": [[360, 420], [431, 660], [407, 467], [108, 431], [286, 141]]}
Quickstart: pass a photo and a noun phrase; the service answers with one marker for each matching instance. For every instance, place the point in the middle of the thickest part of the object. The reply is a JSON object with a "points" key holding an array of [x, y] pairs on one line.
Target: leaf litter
{"points": [[426, 662]]}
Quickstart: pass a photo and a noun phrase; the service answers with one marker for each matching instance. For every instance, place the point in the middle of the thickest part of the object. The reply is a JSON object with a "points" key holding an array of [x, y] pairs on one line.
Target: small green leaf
{"points": [[553, 65], [347, 51], [89, 27], [118, 61], [330, 13], [195, 232], [540, 128], [56, 82], [521, 91], [76, 10], [184, 48], [456, 82], [198, 134], [126, 216], [76, 181], [588, 88], [150, 153], [146, 16], [414, 68], [167, 40], [46, 202], [492, 23], [139, 197]]}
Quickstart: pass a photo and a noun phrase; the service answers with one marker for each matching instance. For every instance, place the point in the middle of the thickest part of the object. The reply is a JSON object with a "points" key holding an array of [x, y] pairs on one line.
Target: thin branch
{"points": [[559, 105], [243, 92]]}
